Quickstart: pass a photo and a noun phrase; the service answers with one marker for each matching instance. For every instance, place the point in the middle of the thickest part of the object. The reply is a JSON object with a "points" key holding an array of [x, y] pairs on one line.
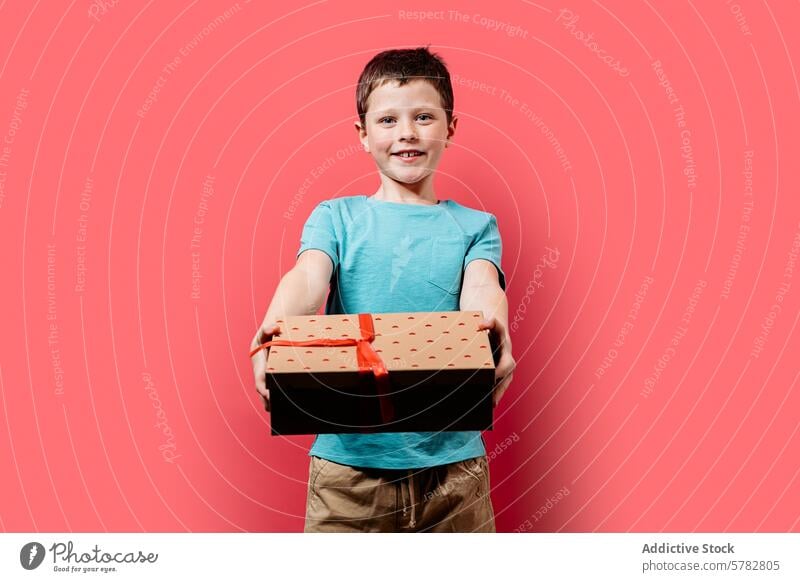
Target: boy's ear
{"points": [[451, 130], [362, 135]]}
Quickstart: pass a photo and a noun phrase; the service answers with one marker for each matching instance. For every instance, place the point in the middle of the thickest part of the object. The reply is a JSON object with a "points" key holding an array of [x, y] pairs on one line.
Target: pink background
{"points": [[656, 387]]}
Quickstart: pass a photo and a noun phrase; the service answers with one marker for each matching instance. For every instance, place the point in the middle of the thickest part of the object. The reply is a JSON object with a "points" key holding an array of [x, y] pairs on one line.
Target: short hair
{"points": [[404, 65]]}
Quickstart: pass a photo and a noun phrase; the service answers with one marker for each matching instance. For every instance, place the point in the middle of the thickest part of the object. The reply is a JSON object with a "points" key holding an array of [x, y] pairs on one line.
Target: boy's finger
{"points": [[500, 389], [268, 332], [264, 335], [265, 399]]}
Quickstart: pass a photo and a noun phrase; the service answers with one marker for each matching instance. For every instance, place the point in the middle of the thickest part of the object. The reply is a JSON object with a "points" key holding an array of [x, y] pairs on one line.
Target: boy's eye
{"points": [[385, 120], [425, 116]]}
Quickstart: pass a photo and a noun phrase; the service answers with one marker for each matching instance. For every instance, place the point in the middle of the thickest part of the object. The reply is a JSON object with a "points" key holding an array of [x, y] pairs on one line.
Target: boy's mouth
{"points": [[408, 155]]}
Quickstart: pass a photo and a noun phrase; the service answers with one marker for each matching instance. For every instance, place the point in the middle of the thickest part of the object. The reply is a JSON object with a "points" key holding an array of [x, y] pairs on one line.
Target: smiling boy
{"points": [[399, 250]]}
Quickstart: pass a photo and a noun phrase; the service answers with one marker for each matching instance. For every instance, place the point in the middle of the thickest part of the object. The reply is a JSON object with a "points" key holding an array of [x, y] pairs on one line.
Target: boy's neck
{"points": [[419, 193]]}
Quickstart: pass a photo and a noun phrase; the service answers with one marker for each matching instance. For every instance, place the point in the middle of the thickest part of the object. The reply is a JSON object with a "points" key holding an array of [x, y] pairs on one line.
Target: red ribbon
{"points": [[368, 359]]}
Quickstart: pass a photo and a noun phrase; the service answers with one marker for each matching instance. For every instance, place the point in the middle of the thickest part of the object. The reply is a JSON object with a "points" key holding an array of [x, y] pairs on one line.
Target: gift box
{"points": [[386, 372]]}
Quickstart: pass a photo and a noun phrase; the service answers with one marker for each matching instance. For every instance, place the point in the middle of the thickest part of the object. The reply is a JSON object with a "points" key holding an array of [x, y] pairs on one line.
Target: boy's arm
{"points": [[481, 291], [301, 291]]}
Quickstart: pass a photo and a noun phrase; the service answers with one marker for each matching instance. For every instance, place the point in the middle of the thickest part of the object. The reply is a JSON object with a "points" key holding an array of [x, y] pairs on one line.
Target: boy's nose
{"points": [[408, 131]]}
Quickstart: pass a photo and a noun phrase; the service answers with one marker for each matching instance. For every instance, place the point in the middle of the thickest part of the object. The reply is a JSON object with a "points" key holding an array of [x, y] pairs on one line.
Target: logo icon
{"points": [[31, 555]]}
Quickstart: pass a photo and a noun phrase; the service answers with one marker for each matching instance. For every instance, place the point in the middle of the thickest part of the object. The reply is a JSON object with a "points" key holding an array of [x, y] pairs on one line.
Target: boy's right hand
{"points": [[259, 360]]}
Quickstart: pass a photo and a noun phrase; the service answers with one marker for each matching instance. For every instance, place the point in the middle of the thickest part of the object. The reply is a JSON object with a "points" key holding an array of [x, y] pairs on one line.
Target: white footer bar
{"points": [[395, 557]]}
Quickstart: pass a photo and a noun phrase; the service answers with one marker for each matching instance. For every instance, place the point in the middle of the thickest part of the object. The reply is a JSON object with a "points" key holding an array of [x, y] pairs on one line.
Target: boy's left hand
{"points": [[504, 370]]}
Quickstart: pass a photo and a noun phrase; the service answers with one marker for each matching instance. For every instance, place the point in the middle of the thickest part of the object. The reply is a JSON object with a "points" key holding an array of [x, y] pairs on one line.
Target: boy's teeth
{"points": [[409, 154]]}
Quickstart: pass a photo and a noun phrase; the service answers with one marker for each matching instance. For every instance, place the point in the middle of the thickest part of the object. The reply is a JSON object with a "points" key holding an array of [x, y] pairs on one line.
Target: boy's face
{"points": [[407, 118]]}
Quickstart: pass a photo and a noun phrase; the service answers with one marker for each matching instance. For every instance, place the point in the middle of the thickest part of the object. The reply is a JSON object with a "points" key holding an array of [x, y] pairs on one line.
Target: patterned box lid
{"points": [[408, 341]]}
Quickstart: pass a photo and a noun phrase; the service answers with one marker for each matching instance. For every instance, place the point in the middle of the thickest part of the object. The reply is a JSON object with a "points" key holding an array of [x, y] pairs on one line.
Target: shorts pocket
{"points": [[318, 464], [447, 262], [475, 468]]}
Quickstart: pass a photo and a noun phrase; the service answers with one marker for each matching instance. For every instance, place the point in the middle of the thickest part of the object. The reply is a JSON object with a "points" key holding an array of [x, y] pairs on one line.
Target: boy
{"points": [[399, 250]]}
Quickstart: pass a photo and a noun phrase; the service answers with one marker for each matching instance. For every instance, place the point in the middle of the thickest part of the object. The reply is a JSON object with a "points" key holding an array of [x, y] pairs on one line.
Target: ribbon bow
{"points": [[369, 362]]}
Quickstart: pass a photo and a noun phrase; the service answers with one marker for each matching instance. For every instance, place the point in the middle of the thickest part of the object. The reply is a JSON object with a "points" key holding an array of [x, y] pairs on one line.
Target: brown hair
{"points": [[404, 65]]}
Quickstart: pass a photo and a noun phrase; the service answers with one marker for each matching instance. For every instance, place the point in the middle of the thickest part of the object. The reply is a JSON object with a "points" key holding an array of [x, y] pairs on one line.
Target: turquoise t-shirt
{"points": [[390, 257]]}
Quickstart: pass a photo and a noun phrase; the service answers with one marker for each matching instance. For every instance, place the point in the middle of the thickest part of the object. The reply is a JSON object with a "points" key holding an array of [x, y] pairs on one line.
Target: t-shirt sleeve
{"points": [[319, 233], [488, 246]]}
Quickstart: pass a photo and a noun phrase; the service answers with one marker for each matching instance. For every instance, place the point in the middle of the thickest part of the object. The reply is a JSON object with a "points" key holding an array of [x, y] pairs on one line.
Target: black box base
{"points": [[422, 402]]}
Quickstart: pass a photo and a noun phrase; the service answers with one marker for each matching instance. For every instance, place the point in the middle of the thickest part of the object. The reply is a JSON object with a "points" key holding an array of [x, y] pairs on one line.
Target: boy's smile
{"points": [[406, 131], [409, 156]]}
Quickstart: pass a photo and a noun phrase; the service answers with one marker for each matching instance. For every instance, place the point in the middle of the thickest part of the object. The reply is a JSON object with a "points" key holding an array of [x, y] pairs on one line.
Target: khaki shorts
{"points": [[445, 498]]}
